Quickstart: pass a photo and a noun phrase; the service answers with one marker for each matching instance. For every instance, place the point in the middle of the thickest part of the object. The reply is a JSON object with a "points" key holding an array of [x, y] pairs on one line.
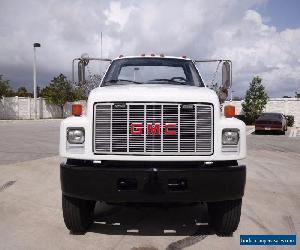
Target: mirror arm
{"points": [[99, 59], [213, 60]]}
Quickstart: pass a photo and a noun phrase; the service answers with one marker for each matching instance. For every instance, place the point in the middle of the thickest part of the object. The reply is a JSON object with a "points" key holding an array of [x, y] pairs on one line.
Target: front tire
{"points": [[77, 213], [225, 216]]}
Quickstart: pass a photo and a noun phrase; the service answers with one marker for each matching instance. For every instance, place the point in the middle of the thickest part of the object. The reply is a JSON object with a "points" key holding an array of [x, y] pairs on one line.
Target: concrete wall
{"points": [[287, 106], [14, 108], [23, 108]]}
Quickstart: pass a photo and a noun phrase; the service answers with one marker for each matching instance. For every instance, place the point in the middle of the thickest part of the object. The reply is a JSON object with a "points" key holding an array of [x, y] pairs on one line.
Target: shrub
{"points": [[290, 120]]}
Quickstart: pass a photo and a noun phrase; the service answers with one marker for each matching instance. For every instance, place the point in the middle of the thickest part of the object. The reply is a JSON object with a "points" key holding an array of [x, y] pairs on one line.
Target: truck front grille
{"points": [[122, 128]]}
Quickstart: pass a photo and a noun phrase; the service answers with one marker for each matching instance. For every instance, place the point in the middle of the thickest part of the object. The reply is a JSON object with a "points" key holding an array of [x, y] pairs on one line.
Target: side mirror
{"points": [[226, 75], [81, 71], [84, 61]]}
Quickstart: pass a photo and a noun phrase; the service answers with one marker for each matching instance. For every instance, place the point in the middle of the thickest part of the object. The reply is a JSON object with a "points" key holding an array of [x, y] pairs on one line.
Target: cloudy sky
{"points": [[261, 37]]}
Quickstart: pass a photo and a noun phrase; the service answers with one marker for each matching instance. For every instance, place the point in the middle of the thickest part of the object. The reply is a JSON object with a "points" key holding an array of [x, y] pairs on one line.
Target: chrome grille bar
{"points": [[193, 128], [153, 116], [170, 142], [136, 115], [119, 130], [187, 130]]}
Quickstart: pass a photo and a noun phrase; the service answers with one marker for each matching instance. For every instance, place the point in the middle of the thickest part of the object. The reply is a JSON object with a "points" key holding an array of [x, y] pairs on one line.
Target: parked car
{"points": [[271, 122]]}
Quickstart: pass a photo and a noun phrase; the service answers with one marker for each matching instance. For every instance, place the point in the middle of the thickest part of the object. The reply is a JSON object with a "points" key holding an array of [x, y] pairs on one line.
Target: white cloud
{"points": [[117, 14], [197, 28], [259, 49]]}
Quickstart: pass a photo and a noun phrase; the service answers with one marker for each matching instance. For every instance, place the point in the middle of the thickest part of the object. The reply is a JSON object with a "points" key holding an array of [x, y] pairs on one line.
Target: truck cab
{"points": [[153, 133]]}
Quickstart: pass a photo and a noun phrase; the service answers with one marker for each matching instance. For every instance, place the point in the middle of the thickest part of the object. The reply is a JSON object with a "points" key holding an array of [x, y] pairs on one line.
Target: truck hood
{"points": [[153, 93]]}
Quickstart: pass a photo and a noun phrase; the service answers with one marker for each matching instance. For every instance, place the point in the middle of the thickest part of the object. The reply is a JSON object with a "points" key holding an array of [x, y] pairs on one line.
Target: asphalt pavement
{"points": [[30, 199]]}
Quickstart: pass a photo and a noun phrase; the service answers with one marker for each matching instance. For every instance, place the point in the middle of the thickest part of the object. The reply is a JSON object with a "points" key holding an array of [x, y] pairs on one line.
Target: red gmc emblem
{"points": [[152, 128]]}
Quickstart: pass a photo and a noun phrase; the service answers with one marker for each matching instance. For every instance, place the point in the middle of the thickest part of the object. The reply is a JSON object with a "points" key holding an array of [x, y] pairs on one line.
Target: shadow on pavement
{"points": [[152, 221]]}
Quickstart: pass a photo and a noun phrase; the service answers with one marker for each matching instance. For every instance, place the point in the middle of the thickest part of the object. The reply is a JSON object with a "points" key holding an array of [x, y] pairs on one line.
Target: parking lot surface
{"points": [[27, 140], [30, 199]]}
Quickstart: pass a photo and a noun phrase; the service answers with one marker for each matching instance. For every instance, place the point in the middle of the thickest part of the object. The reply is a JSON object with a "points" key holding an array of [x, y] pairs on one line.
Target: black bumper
{"points": [[153, 184]]}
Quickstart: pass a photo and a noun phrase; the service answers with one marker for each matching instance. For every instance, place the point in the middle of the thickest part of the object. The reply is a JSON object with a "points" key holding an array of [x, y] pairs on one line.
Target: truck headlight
{"points": [[75, 135], [230, 136]]}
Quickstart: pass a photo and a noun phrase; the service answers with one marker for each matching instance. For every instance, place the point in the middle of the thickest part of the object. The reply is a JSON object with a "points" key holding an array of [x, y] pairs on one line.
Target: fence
{"points": [[13, 108]]}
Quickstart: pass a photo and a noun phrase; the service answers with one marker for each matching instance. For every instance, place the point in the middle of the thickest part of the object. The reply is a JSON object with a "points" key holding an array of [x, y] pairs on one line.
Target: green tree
{"points": [[5, 89], [22, 91], [87, 86], [255, 100], [38, 91], [60, 91]]}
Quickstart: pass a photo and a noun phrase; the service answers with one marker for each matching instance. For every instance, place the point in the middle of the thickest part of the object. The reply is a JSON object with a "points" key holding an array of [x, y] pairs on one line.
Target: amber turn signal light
{"points": [[76, 109], [229, 111]]}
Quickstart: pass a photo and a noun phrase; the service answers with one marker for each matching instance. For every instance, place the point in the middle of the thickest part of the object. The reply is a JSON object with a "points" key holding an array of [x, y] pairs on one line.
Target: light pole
{"points": [[35, 45]]}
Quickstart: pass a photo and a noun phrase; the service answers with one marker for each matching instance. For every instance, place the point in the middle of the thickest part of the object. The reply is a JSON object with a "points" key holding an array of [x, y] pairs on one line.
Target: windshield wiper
{"points": [[170, 81], [121, 80]]}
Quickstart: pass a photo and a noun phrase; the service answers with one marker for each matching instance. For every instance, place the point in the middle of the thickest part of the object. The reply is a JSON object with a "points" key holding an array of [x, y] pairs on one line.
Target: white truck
{"points": [[153, 133]]}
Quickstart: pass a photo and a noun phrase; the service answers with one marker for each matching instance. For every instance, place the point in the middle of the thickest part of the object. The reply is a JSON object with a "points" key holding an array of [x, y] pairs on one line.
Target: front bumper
{"points": [[268, 128], [155, 183]]}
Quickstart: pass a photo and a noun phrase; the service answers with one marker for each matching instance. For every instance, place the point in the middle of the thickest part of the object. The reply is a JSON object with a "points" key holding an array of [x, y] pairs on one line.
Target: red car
{"points": [[271, 122]]}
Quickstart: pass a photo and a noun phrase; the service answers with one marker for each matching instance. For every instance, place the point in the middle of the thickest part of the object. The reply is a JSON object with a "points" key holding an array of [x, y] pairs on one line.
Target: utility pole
{"points": [[35, 45]]}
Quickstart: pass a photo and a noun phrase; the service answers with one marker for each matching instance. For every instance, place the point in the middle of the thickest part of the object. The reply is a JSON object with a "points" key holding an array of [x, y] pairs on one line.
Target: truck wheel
{"points": [[78, 214], [225, 216]]}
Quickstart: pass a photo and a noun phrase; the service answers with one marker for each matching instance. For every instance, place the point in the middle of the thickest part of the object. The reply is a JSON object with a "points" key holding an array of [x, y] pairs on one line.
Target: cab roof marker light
{"points": [[152, 54], [120, 56], [184, 57], [162, 55], [143, 54]]}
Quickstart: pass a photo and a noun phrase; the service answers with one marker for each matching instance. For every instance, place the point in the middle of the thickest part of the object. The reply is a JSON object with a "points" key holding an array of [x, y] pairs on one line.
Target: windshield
{"points": [[152, 71]]}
